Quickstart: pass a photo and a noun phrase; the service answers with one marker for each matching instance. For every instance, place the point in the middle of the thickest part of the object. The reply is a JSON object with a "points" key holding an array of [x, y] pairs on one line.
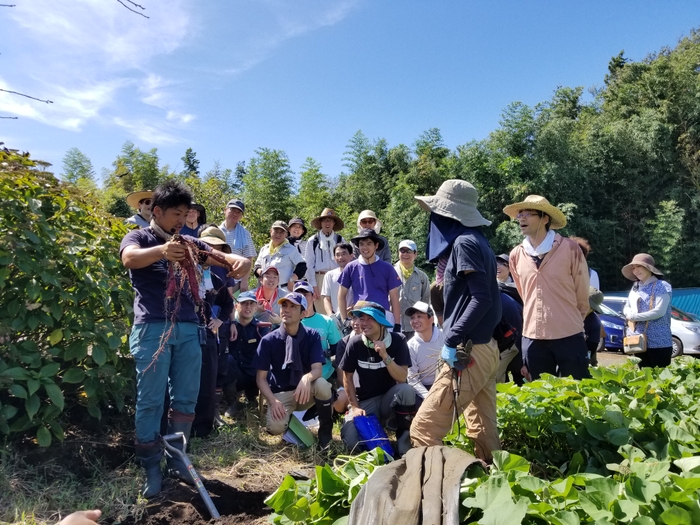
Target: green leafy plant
{"points": [[66, 302]]}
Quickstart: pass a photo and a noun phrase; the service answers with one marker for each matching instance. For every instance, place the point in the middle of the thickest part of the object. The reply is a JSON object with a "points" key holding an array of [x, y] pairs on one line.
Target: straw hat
{"points": [[641, 259], [557, 219], [328, 212], [213, 236], [135, 197], [455, 199]]}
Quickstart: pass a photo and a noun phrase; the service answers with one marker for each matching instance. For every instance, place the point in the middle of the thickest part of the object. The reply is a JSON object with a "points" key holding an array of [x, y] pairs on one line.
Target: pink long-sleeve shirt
{"points": [[555, 295]]}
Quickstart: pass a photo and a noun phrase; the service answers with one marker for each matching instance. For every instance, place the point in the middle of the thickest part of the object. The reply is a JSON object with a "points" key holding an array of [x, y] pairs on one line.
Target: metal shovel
{"points": [[180, 437]]}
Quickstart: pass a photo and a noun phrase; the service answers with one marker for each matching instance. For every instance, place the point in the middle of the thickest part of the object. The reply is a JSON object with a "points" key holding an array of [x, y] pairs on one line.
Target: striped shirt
{"points": [[239, 239]]}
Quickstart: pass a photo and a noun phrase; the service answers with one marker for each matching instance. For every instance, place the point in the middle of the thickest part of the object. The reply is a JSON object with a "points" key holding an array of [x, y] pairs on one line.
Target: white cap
{"points": [[420, 306], [408, 244]]}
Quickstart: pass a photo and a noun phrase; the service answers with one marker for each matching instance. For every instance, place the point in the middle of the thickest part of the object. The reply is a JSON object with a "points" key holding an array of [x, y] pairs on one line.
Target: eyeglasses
{"points": [[526, 215], [405, 250], [147, 202], [368, 221]]}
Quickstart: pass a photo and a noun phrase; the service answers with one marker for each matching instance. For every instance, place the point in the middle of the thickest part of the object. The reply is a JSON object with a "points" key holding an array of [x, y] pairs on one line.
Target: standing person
{"points": [[593, 278], [510, 359], [424, 347], [289, 363], [214, 315], [237, 236], [381, 360], [370, 278], [592, 327], [239, 374], [368, 219], [297, 232], [503, 269], [141, 201], [467, 268], [282, 255], [195, 221], [319, 251], [415, 285], [648, 310], [551, 275], [148, 253], [324, 325], [329, 291]]}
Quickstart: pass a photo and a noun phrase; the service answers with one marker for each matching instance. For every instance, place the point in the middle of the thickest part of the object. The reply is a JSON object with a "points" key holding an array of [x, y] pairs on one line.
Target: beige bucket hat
{"points": [[328, 212], [213, 236], [455, 199], [641, 259], [557, 219]]}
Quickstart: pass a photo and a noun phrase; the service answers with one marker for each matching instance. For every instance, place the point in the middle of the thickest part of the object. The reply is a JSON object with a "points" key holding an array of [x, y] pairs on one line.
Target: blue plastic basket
{"points": [[372, 434]]}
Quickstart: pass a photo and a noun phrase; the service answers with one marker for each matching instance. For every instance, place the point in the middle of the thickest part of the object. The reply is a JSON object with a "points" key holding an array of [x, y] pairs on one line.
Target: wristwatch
{"points": [[388, 360]]}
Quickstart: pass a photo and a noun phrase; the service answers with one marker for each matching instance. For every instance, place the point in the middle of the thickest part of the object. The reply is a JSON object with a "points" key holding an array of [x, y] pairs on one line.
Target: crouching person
{"points": [[289, 362], [381, 359]]}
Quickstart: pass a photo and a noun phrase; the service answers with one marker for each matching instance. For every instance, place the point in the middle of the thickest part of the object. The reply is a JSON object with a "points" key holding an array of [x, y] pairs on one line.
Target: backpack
{"points": [[511, 291], [505, 335], [315, 243]]}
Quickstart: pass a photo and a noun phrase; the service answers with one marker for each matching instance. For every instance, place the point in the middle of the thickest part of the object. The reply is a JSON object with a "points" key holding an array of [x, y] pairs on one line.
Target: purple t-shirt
{"points": [[149, 283], [370, 282]]}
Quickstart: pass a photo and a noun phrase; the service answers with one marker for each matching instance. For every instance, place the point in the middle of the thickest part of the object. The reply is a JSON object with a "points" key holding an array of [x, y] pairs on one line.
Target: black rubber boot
{"points": [[324, 409], [176, 467], [231, 394], [148, 456], [404, 416], [218, 422]]}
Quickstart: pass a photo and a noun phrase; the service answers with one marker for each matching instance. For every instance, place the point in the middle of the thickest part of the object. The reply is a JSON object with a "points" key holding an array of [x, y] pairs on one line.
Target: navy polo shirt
{"points": [[245, 347]]}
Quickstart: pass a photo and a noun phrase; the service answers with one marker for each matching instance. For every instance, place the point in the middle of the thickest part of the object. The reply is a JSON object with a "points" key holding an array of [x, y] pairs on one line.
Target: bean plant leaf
{"points": [[43, 436], [284, 496], [688, 464], [676, 516], [640, 490], [504, 461], [299, 511]]}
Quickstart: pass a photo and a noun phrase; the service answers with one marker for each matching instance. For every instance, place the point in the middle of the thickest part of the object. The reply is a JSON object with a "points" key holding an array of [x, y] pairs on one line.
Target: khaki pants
{"points": [[320, 390], [477, 398], [505, 359], [318, 303]]}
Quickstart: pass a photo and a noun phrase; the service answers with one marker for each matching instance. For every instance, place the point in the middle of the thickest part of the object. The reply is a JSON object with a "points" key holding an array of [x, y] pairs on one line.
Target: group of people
{"points": [[336, 326]]}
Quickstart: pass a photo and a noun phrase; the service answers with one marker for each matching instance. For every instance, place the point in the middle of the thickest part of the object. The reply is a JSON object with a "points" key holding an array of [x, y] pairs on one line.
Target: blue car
{"points": [[614, 325]]}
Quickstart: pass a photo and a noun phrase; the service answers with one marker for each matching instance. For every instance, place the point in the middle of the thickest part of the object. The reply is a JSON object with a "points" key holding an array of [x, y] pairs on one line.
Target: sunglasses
{"points": [[405, 250], [145, 201]]}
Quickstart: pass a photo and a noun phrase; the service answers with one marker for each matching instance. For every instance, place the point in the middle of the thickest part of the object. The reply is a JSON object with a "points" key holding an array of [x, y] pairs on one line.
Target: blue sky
{"points": [[228, 77]]}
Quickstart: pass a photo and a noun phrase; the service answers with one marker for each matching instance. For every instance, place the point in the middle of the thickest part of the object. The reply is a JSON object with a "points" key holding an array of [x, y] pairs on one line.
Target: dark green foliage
{"points": [[66, 303]]}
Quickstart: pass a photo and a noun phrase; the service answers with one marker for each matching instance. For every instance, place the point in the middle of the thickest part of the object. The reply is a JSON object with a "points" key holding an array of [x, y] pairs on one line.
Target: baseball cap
{"points": [[267, 269], [408, 244], [420, 306], [280, 224], [235, 203], [303, 286], [295, 298], [503, 257], [246, 296]]}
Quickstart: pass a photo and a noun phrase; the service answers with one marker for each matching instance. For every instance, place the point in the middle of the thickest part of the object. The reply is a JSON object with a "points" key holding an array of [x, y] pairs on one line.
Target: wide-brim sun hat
{"points": [[641, 259], [374, 313], [369, 214], [202, 213], [455, 199], [368, 233], [213, 236], [325, 214], [557, 219], [595, 299], [135, 197]]}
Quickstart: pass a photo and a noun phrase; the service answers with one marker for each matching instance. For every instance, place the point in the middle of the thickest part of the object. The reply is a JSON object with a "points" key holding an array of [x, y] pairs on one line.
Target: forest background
{"points": [[623, 165]]}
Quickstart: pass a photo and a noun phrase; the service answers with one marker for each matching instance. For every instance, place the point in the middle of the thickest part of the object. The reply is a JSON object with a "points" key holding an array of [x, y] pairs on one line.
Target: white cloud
{"points": [[182, 118], [147, 131], [289, 20]]}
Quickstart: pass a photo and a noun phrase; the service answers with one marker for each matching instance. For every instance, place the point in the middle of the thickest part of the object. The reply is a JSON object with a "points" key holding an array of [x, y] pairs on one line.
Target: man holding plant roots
{"points": [[466, 266], [148, 253]]}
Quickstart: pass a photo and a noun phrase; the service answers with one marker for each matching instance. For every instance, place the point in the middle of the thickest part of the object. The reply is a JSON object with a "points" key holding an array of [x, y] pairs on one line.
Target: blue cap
{"points": [[295, 298], [247, 296], [236, 203], [374, 313], [303, 286]]}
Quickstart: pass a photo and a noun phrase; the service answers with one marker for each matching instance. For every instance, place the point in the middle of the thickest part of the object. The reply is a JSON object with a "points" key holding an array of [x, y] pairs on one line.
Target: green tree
{"points": [[314, 191], [267, 192], [66, 303], [191, 164], [77, 166]]}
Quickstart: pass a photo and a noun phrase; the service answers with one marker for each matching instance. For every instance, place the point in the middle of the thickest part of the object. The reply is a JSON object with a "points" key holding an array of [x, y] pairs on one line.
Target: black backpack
{"points": [[505, 335]]}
